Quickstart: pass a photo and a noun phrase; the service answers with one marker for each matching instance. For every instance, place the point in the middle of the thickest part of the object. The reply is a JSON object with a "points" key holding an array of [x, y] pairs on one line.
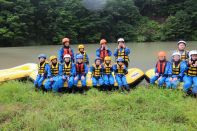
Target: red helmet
{"points": [[65, 40]]}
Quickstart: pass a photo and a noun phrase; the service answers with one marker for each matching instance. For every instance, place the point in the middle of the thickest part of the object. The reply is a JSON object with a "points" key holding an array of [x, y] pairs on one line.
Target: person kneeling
{"points": [[43, 71], [54, 68], [178, 69], [163, 69], [190, 78], [67, 70], [120, 71], [107, 74], [81, 71], [97, 72]]}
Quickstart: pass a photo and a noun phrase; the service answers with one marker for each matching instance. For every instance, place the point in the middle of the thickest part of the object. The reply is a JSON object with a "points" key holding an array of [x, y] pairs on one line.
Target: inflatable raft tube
{"points": [[150, 73], [17, 72], [134, 77]]}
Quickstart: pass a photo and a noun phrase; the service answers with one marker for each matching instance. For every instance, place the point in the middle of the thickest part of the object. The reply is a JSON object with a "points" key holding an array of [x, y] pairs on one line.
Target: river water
{"points": [[143, 55]]}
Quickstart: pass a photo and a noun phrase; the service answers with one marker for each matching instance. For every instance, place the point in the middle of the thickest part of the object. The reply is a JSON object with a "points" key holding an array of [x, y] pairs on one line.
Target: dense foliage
{"points": [[26, 22]]}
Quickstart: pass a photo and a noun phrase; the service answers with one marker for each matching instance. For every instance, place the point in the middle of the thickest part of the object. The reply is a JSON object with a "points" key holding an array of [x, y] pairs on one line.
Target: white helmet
{"points": [[176, 53], [120, 40], [182, 41], [193, 52], [67, 56]]}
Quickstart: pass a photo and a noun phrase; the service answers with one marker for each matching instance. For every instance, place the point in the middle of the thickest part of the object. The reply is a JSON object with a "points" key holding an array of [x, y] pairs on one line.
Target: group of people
{"points": [[181, 68], [71, 68]]}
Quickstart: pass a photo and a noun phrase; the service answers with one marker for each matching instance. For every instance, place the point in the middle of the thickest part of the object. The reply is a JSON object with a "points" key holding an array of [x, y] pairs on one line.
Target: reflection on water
{"points": [[143, 55]]}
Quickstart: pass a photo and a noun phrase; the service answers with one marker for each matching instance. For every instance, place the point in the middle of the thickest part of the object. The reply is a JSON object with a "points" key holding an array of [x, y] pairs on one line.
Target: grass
{"points": [[21, 108]]}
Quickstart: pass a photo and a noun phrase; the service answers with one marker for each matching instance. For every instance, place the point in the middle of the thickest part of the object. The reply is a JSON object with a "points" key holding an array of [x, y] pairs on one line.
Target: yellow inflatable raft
{"points": [[134, 77], [17, 72], [150, 73]]}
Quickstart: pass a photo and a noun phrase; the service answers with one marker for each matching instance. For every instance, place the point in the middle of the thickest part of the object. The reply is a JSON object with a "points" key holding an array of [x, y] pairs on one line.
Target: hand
{"points": [[171, 79], [68, 78], [123, 46], [175, 79], [82, 77], [51, 79], [156, 74], [119, 47], [159, 78], [190, 62], [101, 47], [63, 77], [76, 78], [195, 65]]}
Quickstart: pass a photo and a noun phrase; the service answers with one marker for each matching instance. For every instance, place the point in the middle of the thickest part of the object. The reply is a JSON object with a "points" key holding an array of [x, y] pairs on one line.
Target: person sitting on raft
{"points": [[81, 72], [163, 69], [43, 71], [181, 49], [178, 69], [67, 71], [122, 51], [103, 51], [120, 71], [190, 78], [97, 73], [107, 74], [54, 67], [82, 51], [65, 50]]}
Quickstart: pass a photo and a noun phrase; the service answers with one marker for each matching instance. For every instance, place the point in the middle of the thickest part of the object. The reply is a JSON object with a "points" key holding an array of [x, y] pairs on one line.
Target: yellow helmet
{"points": [[81, 46], [52, 57], [108, 58]]}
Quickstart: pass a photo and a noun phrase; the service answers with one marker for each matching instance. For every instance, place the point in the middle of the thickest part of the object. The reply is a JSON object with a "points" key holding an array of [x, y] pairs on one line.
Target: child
{"points": [[85, 55], [81, 71], [163, 69], [65, 50], [107, 74], [54, 67], [120, 71], [178, 69], [67, 71], [190, 77], [43, 71], [103, 51], [97, 72], [122, 51]]}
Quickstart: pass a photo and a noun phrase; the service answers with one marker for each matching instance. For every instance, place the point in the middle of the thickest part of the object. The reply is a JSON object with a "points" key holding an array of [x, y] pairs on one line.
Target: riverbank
{"points": [[21, 108]]}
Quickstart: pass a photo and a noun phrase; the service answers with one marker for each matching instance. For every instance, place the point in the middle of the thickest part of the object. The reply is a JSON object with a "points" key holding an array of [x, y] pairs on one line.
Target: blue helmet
{"points": [[42, 56], [98, 58], [79, 56], [120, 59]]}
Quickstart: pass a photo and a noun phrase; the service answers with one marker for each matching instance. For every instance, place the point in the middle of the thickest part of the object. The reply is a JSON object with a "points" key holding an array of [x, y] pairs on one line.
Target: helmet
{"points": [[79, 56], [52, 57], [120, 59], [120, 40], [98, 58], [67, 56], [182, 41], [42, 56], [108, 58], [176, 53], [193, 52], [65, 40], [81, 46], [103, 41], [162, 53]]}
